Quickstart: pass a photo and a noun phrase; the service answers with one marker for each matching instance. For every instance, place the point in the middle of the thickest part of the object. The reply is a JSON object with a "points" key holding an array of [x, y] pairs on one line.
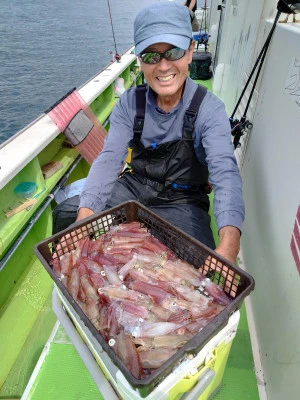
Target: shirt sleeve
{"points": [[109, 163], [223, 170]]}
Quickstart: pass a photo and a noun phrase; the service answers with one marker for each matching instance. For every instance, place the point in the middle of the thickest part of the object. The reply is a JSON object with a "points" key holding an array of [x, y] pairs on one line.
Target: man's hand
{"points": [[229, 246], [66, 241], [84, 213]]}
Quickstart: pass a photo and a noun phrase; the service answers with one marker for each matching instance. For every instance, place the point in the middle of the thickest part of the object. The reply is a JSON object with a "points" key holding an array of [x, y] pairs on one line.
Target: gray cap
{"points": [[163, 22]]}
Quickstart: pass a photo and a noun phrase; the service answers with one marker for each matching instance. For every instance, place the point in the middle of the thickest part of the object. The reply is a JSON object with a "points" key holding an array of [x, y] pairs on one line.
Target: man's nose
{"points": [[164, 64]]}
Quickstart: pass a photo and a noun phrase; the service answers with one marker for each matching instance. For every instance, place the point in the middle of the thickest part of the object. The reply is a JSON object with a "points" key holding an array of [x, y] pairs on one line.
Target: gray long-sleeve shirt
{"points": [[212, 141]]}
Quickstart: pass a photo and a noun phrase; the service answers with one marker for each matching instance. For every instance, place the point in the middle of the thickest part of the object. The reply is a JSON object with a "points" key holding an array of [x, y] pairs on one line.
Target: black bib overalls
{"points": [[168, 178]]}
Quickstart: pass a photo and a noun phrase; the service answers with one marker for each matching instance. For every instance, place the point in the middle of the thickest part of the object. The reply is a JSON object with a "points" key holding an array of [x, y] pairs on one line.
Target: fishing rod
{"points": [[238, 126], [203, 34], [117, 56]]}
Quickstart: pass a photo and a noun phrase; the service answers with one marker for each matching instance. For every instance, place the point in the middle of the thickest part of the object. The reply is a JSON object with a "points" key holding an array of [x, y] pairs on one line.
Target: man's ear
{"points": [[191, 51]]}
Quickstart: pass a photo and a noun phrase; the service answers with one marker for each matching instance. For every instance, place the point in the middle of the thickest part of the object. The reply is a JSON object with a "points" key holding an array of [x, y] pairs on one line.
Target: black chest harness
{"points": [[171, 168]]}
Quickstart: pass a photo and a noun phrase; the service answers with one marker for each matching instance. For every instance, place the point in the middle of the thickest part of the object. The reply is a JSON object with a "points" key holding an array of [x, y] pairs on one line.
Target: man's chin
{"points": [[165, 90]]}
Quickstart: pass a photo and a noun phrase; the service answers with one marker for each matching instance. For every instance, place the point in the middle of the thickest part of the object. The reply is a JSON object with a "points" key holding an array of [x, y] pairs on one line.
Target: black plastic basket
{"points": [[184, 246]]}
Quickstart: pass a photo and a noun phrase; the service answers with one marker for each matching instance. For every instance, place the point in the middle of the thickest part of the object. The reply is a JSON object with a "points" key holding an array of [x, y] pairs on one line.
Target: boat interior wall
{"points": [[26, 316], [272, 192], [236, 46], [10, 227], [239, 38]]}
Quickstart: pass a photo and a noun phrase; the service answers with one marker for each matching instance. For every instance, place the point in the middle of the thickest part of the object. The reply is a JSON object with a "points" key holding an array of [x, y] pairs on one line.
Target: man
{"points": [[172, 151], [192, 6]]}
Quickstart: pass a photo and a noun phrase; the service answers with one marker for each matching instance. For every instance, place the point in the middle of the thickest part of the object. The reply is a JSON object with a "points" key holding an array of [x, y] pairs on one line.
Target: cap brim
{"points": [[182, 42]]}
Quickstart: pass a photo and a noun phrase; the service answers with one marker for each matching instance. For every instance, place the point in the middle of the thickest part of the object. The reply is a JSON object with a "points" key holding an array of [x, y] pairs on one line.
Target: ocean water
{"points": [[47, 47]]}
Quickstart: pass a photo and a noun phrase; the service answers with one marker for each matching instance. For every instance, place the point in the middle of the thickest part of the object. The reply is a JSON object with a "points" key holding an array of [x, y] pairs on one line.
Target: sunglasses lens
{"points": [[150, 58], [174, 54], [171, 55]]}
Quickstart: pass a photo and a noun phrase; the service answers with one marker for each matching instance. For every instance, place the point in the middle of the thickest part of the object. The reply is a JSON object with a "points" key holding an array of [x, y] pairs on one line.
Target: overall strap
{"points": [[140, 98], [191, 113]]}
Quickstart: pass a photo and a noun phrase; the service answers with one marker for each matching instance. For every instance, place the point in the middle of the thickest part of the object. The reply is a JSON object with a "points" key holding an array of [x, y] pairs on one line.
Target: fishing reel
{"points": [[203, 37], [238, 129], [116, 57]]}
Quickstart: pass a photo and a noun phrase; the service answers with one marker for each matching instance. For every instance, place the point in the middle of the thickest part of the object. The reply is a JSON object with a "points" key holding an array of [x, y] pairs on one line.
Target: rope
{"points": [[117, 55]]}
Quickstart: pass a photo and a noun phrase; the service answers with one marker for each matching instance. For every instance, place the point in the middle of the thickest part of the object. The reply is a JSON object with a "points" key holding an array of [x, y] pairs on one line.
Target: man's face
{"points": [[167, 78]]}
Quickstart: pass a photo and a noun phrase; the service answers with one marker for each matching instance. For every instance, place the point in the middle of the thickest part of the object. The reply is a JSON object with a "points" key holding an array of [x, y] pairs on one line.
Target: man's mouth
{"points": [[165, 78]]}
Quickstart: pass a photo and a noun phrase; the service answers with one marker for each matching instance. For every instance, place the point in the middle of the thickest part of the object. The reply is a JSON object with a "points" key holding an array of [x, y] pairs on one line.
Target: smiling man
{"points": [[180, 137]]}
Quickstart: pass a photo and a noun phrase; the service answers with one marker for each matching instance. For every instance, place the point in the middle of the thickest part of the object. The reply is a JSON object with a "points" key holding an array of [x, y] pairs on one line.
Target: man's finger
{"points": [[231, 279]]}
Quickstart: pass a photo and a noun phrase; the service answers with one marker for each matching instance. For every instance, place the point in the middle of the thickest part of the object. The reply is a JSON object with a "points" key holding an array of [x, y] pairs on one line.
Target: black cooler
{"points": [[200, 67]]}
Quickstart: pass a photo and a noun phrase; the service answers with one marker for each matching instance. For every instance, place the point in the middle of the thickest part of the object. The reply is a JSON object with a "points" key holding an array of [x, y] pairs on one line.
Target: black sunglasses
{"points": [[153, 57]]}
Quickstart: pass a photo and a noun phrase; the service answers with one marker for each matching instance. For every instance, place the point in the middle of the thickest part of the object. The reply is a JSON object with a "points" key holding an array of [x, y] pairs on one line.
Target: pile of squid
{"points": [[144, 301]]}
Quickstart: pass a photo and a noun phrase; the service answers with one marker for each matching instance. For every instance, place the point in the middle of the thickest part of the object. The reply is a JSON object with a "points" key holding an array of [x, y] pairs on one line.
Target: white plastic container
{"points": [[196, 377]]}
